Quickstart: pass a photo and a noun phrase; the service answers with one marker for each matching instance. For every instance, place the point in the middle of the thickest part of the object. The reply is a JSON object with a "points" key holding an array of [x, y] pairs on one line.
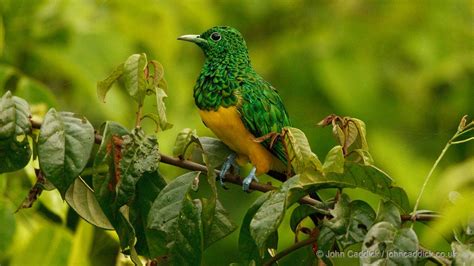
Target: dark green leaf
{"points": [[300, 213], [166, 207], [183, 148], [334, 161], [299, 151], [186, 236], [64, 146], [161, 109], [361, 176], [150, 243], [270, 215], [14, 127], [133, 72], [248, 249], [388, 212], [384, 244], [326, 241], [139, 155], [81, 198], [104, 86], [220, 227]]}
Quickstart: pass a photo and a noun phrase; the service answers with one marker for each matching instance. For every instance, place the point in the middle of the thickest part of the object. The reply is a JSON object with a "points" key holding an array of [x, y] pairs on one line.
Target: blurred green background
{"points": [[406, 68]]}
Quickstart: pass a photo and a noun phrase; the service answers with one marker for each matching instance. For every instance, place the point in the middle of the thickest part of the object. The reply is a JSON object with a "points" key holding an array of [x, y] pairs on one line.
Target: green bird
{"points": [[238, 105]]}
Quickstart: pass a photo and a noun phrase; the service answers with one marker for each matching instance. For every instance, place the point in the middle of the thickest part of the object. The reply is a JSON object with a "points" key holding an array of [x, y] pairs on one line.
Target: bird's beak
{"points": [[192, 38]]}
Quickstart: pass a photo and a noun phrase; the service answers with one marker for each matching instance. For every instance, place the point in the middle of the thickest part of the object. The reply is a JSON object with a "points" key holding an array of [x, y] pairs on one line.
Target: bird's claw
{"points": [[230, 161], [246, 182]]}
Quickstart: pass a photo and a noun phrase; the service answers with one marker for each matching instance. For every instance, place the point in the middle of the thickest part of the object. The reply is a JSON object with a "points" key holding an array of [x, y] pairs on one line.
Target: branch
{"points": [[235, 179]]}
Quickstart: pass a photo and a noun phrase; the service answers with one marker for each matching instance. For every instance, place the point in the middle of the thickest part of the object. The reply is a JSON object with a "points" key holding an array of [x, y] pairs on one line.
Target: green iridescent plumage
{"points": [[228, 79]]}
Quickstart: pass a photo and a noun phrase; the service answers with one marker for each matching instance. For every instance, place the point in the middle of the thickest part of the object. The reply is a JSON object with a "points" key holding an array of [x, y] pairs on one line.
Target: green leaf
{"points": [[464, 254], [161, 109], [361, 176], [350, 220], [388, 212], [167, 205], [183, 147], [270, 215], [334, 161], [215, 151], [64, 146], [150, 243], [220, 227], [248, 249], [105, 186], [14, 127], [104, 183], [104, 86], [179, 218], [300, 213], [139, 155], [384, 244], [326, 241], [133, 72], [299, 152], [186, 235], [81, 198]]}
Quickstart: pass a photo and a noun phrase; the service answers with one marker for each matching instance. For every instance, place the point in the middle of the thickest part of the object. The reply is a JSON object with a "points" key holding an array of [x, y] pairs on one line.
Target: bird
{"points": [[240, 107]]}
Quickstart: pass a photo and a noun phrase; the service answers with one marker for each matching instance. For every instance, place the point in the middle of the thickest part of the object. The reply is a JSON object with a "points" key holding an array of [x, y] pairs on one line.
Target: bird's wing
{"points": [[262, 112]]}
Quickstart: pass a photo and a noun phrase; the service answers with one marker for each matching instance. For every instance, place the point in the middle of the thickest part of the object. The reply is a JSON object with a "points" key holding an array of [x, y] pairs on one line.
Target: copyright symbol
{"points": [[320, 253]]}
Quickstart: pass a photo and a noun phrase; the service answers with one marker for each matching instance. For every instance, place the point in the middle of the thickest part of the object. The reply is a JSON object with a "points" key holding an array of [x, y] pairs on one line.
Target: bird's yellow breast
{"points": [[227, 125]]}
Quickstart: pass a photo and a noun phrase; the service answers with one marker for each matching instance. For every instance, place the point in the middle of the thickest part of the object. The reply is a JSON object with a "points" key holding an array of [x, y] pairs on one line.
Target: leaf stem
{"points": [[138, 119], [462, 129]]}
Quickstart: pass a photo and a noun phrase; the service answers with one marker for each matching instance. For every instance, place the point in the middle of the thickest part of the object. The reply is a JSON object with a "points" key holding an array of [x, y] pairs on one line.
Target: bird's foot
{"points": [[230, 161], [249, 179]]}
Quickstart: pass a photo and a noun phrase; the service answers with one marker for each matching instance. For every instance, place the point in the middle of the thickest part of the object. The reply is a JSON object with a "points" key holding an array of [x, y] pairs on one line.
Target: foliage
{"points": [[404, 68]]}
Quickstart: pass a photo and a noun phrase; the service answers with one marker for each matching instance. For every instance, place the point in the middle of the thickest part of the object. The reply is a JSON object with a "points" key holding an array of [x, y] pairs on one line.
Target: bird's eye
{"points": [[216, 36]]}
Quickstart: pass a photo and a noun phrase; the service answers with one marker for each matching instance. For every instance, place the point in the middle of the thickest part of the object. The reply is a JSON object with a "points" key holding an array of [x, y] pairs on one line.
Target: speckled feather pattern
{"points": [[228, 79]]}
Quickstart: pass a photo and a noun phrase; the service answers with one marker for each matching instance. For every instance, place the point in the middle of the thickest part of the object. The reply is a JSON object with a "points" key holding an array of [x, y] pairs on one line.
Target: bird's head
{"points": [[219, 43]]}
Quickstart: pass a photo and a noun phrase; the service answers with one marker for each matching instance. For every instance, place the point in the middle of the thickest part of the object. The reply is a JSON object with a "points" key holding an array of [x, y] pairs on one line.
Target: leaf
{"points": [[14, 127], [64, 146], [161, 109], [167, 205], [299, 151], [183, 147], [248, 249], [186, 240], [270, 215], [134, 75], [350, 220], [326, 241], [150, 243], [334, 161], [81, 198], [139, 155], [388, 212], [361, 176], [216, 152], [179, 218], [220, 227], [463, 254], [300, 213], [384, 244], [104, 86]]}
